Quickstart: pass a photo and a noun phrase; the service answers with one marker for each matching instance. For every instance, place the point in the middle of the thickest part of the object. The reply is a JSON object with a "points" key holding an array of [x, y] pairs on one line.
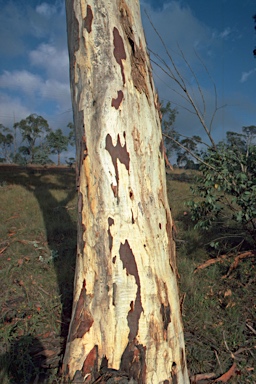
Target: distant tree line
{"points": [[37, 142]]}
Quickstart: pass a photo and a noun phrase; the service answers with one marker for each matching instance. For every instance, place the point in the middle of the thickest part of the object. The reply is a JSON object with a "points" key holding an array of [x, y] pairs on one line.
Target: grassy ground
{"points": [[37, 253]]}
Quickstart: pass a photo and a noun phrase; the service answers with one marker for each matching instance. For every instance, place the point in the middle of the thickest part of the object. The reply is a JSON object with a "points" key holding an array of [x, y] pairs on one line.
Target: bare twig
{"points": [[251, 328], [175, 74], [218, 360], [190, 152]]}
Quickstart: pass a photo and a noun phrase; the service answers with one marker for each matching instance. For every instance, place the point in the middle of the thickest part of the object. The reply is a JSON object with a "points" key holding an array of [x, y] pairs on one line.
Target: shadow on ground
{"points": [[61, 237]]}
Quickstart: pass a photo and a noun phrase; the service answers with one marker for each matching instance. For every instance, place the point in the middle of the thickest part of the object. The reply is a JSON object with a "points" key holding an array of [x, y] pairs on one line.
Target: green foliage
{"points": [[38, 141], [57, 142], [70, 161], [72, 134], [168, 119], [185, 151], [226, 188], [6, 141], [215, 311], [186, 148], [32, 129]]}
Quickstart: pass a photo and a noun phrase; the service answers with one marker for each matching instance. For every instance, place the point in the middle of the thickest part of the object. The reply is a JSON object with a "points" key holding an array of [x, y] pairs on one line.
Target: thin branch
{"points": [[176, 76], [199, 142], [196, 79], [190, 152]]}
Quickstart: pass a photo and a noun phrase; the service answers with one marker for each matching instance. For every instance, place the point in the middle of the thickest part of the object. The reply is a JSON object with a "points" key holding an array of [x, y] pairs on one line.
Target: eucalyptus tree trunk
{"points": [[126, 312]]}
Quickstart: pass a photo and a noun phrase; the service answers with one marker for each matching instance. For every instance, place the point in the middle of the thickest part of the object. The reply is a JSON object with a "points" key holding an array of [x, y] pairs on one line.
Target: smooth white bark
{"points": [[126, 306]]}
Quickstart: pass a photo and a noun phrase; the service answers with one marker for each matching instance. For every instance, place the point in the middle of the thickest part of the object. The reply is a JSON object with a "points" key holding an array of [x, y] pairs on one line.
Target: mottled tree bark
{"points": [[126, 313]]}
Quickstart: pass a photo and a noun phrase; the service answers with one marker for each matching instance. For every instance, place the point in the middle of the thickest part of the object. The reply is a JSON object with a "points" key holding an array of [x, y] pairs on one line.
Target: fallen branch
{"points": [[251, 328], [202, 376], [226, 376], [209, 262], [4, 248], [238, 258], [221, 258]]}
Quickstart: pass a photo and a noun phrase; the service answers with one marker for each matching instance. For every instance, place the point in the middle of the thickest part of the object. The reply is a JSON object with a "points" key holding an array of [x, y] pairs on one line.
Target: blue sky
{"points": [[34, 60]]}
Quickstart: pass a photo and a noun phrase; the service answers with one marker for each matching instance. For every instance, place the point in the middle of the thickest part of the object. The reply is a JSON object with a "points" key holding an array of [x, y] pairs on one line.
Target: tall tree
{"points": [[168, 119], [6, 141], [57, 142], [32, 128], [126, 311], [186, 149]]}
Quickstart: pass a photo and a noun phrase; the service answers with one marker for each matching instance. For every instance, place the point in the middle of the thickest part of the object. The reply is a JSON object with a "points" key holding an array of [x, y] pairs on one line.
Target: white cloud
{"points": [[12, 110], [34, 87], [57, 91], [225, 34], [52, 59], [46, 10], [246, 75], [21, 80]]}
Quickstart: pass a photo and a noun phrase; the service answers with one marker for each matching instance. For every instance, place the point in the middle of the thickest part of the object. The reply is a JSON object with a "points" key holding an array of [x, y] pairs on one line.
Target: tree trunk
{"points": [[126, 312]]}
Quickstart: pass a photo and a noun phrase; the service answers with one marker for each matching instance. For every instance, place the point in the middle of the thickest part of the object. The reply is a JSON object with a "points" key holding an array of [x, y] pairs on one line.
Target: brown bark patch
{"points": [[114, 189], [83, 320], [133, 362], [75, 30], [90, 363], [81, 227], [183, 360], [174, 373], [158, 106], [110, 237], [139, 71], [119, 51], [138, 55], [117, 152], [161, 147], [117, 102], [133, 221], [129, 263], [166, 315], [169, 230], [88, 19]]}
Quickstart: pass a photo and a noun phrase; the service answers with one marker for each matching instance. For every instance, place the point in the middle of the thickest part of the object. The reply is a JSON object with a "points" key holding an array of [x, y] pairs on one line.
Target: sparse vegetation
{"points": [[37, 250]]}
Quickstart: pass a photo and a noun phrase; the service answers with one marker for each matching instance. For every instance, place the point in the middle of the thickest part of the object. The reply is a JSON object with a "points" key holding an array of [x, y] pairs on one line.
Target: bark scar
{"points": [[110, 237], [129, 263], [120, 153], [117, 102], [88, 19], [83, 320], [140, 70], [119, 51]]}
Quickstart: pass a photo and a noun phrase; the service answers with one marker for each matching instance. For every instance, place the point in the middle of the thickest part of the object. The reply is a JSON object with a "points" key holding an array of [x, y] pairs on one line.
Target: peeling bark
{"points": [[126, 317]]}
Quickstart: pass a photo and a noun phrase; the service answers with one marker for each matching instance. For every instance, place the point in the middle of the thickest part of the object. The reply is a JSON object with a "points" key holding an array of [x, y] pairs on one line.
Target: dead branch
{"points": [[221, 258]]}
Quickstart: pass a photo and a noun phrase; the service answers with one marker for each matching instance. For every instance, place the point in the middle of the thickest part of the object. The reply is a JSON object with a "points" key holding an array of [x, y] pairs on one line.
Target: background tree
{"points": [[168, 119], [126, 311], [227, 188], [57, 142], [72, 134], [34, 128], [186, 150], [6, 141]]}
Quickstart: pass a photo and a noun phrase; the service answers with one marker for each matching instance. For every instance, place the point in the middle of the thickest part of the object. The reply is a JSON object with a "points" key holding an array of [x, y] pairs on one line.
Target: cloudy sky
{"points": [[34, 59]]}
